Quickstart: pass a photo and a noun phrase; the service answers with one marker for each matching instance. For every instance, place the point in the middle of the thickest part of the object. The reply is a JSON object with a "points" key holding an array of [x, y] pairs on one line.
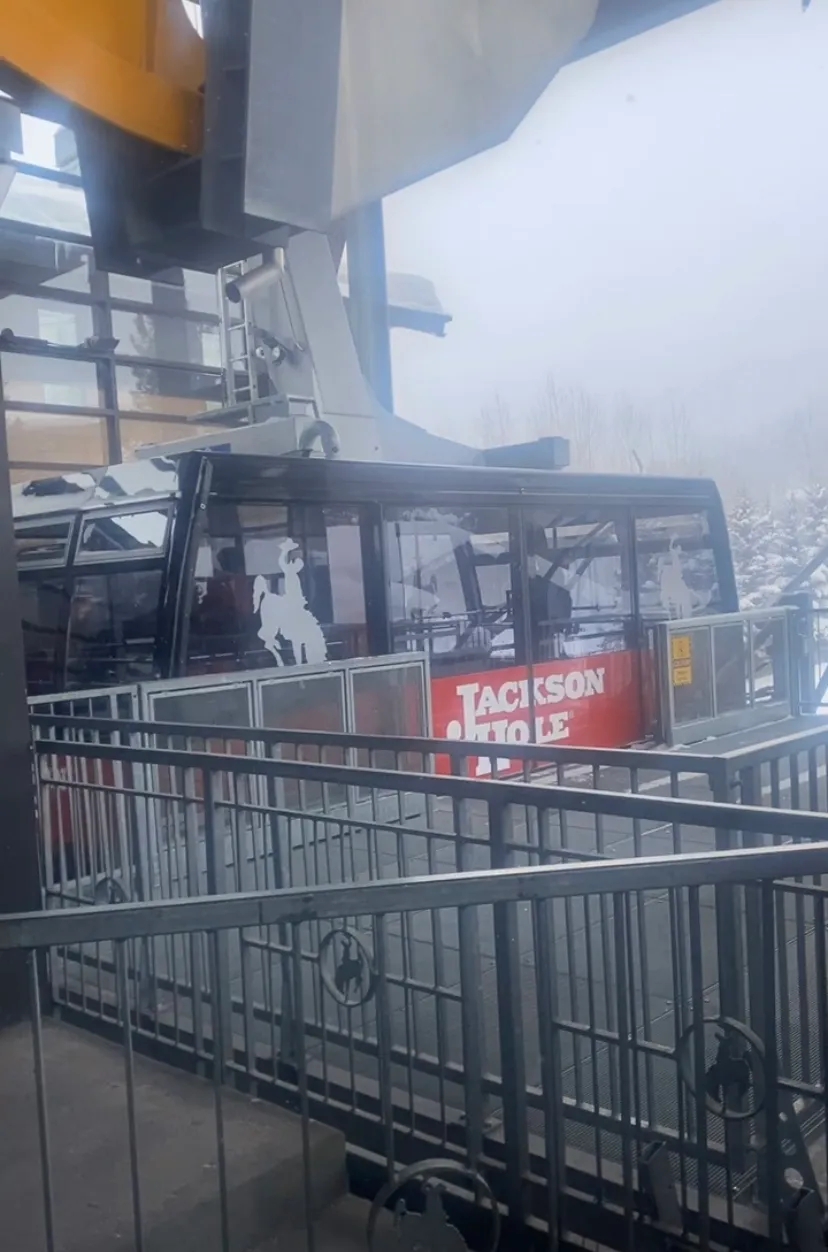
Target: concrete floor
{"points": [[177, 1155]]}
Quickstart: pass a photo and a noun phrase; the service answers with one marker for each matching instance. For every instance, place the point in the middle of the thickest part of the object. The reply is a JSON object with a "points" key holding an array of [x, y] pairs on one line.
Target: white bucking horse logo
{"points": [[287, 614]]}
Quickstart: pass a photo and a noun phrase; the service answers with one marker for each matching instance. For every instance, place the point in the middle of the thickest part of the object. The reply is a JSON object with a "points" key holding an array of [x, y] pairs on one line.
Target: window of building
{"points": [[450, 584], [165, 337], [676, 564], [167, 390], [49, 380], [56, 438], [113, 627], [43, 606], [578, 582], [277, 585]]}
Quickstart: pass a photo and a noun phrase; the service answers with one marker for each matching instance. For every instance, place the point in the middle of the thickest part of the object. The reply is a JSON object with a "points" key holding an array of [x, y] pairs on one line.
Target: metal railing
{"points": [[724, 673], [589, 1077], [356, 696]]}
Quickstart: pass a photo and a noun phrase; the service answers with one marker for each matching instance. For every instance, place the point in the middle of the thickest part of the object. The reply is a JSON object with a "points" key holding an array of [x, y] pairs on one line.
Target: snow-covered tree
{"points": [[755, 544], [815, 534]]}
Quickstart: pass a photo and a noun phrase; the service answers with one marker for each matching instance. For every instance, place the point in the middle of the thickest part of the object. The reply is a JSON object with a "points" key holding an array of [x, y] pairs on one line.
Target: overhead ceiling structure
{"points": [[286, 115]]}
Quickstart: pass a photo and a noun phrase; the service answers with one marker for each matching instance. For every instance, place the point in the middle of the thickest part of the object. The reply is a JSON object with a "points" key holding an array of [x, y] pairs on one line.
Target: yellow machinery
{"points": [[287, 113]]}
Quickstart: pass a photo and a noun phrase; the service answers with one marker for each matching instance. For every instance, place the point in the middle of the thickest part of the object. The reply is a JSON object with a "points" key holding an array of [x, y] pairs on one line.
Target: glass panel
{"points": [[316, 702], [199, 292], [28, 258], [70, 265], [166, 338], [48, 380], [579, 593], [43, 203], [731, 654], [125, 534], [43, 540], [173, 392], [57, 439], [771, 675], [43, 607], [277, 585], [389, 701], [113, 628], [450, 592], [136, 433], [39, 318], [676, 565], [691, 675], [218, 705]]}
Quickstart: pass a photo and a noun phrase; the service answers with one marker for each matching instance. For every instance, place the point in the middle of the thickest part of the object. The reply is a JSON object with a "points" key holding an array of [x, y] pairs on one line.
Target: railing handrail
{"points": [[683, 624], [100, 923], [501, 793], [553, 754]]}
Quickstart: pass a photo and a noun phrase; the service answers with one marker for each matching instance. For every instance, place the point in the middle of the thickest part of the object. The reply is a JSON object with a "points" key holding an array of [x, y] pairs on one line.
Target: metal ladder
{"points": [[241, 381]]}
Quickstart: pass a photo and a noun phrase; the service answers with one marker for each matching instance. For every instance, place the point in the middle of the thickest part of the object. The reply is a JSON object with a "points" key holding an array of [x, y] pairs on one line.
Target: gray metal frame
{"points": [[588, 1157], [675, 731]]}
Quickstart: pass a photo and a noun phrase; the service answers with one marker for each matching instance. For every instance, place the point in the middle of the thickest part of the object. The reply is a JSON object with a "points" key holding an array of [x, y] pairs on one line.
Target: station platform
{"points": [[177, 1156]]}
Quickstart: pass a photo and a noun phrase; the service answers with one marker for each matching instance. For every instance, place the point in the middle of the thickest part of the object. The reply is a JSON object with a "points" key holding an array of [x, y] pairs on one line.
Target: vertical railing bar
{"points": [[635, 1051], [641, 924], [619, 903], [302, 1082], [677, 962], [572, 970], [699, 1061], [214, 847], [42, 1109], [510, 1021], [439, 983], [217, 1003], [772, 1137], [129, 1071], [781, 957], [194, 889], [593, 1045], [793, 772], [603, 910], [546, 990], [384, 1042], [821, 962], [473, 1041]]}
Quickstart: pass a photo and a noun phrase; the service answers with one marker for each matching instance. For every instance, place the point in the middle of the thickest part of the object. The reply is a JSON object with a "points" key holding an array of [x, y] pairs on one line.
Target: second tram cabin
{"points": [[531, 591]]}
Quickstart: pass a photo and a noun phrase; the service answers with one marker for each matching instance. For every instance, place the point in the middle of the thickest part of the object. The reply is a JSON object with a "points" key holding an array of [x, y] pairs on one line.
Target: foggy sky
{"points": [[657, 228]]}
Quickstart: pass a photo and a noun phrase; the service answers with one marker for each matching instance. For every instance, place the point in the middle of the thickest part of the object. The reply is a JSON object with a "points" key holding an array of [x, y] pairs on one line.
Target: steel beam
{"points": [[19, 866]]}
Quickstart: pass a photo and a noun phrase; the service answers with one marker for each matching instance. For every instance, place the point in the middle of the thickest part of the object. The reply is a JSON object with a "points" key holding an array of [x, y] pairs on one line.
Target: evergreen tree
{"points": [[815, 535], [750, 533], [791, 537]]}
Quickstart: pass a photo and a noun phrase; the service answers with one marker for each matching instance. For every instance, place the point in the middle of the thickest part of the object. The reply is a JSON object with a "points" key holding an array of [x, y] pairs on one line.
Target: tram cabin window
{"points": [[277, 585], [578, 582], [450, 585], [43, 541], [124, 535], [676, 565], [43, 607], [113, 628]]}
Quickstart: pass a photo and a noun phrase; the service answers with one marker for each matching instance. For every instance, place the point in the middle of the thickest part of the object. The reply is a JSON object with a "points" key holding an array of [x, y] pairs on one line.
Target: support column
{"points": [[19, 870], [368, 299]]}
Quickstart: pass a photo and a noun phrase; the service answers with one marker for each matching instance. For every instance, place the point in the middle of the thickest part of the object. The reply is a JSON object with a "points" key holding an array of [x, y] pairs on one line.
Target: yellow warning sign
{"points": [[682, 675], [681, 648]]}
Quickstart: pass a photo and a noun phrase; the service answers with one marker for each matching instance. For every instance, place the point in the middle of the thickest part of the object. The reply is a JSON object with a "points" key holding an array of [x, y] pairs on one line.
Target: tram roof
{"points": [[318, 480]]}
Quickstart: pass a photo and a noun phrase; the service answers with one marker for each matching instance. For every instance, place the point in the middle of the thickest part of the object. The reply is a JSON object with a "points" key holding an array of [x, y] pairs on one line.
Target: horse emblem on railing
{"points": [[347, 967]]}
